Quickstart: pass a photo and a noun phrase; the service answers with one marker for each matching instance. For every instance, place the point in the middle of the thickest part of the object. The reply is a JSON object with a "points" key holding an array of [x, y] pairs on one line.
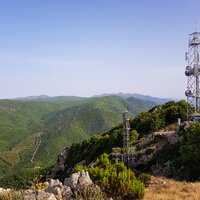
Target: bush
{"points": [[20, 178], [91, 192], [116, 180], [145, 178], [190, 153]]}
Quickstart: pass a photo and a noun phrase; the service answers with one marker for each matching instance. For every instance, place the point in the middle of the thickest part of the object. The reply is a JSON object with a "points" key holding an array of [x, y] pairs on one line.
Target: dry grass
{"points": [[166, 189]]}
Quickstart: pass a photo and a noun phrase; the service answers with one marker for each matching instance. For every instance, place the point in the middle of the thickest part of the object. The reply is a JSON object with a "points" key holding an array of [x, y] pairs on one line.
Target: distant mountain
{"points": [[33, 97], [52, 123], [156, 100], [48, 98]]}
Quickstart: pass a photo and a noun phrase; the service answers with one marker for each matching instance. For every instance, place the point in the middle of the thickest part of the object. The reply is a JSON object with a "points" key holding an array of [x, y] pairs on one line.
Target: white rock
{"points": [[57, 191], [42, 195], [84, 180], [73, 180], [67, 193], [52, 197], [2, 190], [30, 195], [53, 184]]}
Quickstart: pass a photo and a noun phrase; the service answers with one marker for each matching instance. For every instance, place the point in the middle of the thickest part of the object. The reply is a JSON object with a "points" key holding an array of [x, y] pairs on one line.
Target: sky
{"points": [[90, 47]]}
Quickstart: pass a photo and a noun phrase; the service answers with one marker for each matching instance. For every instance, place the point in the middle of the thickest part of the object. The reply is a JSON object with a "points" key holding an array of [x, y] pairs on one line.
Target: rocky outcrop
{"points": [[60, 164], [56, 190], [78, 180]]}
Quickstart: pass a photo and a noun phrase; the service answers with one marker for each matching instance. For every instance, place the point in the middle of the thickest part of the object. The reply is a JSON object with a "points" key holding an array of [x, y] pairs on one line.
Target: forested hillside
{"points": [[164, 146], [33, 132]]}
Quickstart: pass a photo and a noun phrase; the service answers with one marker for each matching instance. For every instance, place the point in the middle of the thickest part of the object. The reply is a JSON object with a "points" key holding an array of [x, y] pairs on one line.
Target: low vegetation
{"points": [[115, 179], [168, 189], [12, 195]]}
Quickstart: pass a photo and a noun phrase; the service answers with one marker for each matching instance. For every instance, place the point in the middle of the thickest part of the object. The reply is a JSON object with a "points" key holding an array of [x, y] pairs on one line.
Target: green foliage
{"points": [[91, 192], [90, 149], [133, 136], [60, 121], [159, 116], [116, 180], [145, 178], [21, 178], [190, 153], [79, 168], [147, 122]]}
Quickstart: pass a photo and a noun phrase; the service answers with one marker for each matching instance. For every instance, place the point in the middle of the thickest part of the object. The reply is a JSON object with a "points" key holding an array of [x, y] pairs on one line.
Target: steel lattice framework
{"points": [[193, 73], [126, 139]]}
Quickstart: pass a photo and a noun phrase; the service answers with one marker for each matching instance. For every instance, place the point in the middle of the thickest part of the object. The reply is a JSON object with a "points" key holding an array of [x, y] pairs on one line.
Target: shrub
{"points": [[116, 180], [145, 178], [91, 192], [190, 153]]}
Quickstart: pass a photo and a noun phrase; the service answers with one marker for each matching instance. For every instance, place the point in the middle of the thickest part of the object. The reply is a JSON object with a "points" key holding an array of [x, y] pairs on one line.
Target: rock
{"points": [[78, 179], [2, 190], [42, 195], [60, 164], [30, 195], [51, 197], [53, 184], [84, 179], [67, 193], [57, 191], [73, 180]]}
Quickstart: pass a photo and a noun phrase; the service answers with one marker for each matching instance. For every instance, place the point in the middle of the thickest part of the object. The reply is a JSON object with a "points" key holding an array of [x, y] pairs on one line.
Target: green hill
{"points": [[37, 130], [145, 124]]}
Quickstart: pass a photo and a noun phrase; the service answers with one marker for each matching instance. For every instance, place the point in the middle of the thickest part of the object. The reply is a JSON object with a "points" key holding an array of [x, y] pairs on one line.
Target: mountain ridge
{"points": [[157, 100]]}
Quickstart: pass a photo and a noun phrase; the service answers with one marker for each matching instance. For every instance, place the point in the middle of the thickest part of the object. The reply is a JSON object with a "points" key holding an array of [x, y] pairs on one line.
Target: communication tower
{"points": [[126, 139], [193, 72]]}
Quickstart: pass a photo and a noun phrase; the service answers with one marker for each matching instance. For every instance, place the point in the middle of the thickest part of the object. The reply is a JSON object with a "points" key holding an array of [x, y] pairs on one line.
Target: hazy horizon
{"points": [[95, 95], [86, 48]]}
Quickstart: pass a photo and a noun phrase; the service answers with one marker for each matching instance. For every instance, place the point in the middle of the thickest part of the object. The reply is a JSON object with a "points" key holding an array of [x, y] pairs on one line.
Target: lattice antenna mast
{"points": [[193, 73], [126, 139]]}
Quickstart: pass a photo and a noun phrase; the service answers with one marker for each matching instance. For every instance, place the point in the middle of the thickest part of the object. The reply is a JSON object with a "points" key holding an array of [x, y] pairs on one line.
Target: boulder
{"points": [[30, 195], [42, 195], [2, 190], [84, 179], [57, 191], [73, 180], [67, 193], [78, 179], [53, 184]]}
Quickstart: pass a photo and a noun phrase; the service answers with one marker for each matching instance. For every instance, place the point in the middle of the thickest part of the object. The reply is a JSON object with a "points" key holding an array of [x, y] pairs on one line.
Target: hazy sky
{"points": [[88, 47]]}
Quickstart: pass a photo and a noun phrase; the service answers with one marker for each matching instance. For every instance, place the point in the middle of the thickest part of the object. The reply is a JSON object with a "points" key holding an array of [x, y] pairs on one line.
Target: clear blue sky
{"points": [[88, 47]]}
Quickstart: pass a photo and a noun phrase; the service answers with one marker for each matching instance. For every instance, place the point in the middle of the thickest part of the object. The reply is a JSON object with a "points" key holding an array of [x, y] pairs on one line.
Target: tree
{"points": [[190, 152]]}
